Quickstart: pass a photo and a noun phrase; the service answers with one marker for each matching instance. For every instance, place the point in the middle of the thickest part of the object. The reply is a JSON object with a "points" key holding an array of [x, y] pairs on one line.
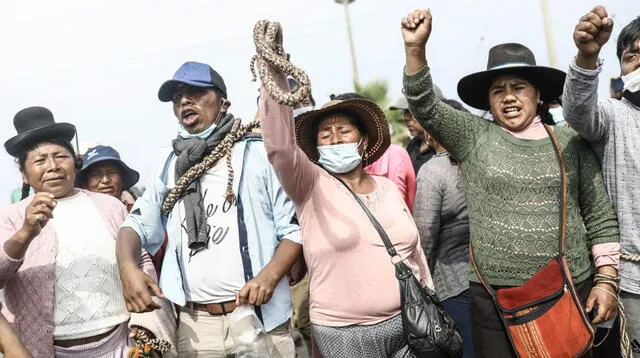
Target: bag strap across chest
{"points": [[563, 209]]}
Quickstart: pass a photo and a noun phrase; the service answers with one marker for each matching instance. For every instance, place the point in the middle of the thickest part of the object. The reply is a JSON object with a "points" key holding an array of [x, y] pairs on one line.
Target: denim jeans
{"points": [[458, 308]]}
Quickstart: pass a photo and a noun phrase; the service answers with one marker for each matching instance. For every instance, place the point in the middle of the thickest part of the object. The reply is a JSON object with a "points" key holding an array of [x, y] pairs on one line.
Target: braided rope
{"points": [[223, 149], [270, 54], [614, 281], [625, 343], [270, 58], [628, 257], [145, 345]]}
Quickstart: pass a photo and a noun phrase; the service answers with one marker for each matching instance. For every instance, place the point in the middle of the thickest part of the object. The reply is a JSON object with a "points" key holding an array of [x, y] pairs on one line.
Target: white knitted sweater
{"points": [[88, 291]]}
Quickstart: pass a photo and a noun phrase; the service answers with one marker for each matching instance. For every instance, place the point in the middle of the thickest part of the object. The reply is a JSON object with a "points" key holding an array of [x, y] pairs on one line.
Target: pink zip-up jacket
{"points": [[395, 165], [29, 283]]}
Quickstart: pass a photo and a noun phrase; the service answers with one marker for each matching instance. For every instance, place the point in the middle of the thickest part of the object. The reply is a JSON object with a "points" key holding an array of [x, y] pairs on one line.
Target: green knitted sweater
{"points": [[513, 191]]}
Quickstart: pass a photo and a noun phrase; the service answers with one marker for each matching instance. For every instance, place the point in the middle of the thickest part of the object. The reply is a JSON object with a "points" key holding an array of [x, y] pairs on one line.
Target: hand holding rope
{"points": [[271, 60]]}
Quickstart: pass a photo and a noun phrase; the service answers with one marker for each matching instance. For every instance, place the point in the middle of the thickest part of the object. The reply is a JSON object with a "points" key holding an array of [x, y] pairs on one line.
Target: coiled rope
{"points": [[270, 59], [221, 150]]}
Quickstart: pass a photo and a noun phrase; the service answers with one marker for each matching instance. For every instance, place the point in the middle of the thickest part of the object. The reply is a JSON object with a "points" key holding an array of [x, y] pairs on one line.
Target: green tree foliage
{"points": [[377, 91]]}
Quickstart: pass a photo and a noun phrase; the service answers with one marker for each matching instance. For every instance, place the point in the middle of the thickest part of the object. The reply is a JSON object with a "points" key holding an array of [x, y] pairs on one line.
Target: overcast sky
{"points": [[98, 64]]}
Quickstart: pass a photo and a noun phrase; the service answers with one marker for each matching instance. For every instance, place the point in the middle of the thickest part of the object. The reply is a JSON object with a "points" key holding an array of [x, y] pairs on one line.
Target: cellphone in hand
{"points": [[594, 312]]}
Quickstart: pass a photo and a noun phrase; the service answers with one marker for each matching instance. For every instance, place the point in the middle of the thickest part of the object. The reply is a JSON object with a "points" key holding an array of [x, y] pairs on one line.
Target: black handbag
{"points": [[430, 330]]}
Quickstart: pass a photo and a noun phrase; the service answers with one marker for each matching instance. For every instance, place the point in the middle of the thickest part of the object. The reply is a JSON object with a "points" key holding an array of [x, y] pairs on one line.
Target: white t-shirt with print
{"points": [[214, 274]]}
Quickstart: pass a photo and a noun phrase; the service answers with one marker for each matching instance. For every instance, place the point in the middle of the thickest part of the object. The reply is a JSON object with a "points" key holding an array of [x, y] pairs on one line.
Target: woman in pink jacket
{"points": [[58, 267]]}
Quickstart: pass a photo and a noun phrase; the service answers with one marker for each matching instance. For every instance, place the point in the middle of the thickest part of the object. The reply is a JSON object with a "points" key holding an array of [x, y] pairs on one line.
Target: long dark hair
{"points": [[21, 159]]}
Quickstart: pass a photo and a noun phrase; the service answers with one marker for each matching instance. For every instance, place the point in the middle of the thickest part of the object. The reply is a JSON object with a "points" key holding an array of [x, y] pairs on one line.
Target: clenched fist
{"points": [[37, 214], [591, 33], [416, 28]]}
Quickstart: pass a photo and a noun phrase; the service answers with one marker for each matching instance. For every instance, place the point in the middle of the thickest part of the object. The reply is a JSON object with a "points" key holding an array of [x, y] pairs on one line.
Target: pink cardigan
{"points": [[29, 283], [395, 165]]}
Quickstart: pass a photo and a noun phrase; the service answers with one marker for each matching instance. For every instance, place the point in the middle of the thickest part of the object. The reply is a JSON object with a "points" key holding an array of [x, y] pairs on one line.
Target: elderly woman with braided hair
{"points": [[232, 232], [354, 295], [62, 292]]}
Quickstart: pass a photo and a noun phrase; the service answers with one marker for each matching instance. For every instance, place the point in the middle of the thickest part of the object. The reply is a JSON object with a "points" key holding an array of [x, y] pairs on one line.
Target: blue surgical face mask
{"points": [[340, 158], [299, 111], [202, 135]]}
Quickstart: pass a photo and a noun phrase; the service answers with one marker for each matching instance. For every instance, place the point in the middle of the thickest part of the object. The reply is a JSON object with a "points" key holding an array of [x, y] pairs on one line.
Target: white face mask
{"points": [[558, 117], [202, 135], [632, 81], [299, 111], [340, 158], [207, 132]]}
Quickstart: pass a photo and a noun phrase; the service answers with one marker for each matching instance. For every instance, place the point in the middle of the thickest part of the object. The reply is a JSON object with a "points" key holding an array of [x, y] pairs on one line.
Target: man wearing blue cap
{"points": [[233, 234]]}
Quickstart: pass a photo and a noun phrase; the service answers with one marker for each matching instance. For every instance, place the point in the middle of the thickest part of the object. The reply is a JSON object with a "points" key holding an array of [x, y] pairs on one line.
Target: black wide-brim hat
{"points": [[366, 112], [510, 59], [35, 125]]}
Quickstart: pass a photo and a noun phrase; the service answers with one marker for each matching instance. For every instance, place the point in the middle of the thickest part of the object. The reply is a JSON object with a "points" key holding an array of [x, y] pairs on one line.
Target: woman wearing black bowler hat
{"points": [[513, 182], [62, 291]]}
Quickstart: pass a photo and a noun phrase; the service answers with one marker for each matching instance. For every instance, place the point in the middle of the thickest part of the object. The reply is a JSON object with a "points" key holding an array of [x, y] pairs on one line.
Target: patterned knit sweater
{"points": [[513, 191]]}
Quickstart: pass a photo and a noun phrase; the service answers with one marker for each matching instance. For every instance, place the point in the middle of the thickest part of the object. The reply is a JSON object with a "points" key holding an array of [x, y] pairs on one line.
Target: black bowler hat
{"points": [[510, 59], [35, 125]]}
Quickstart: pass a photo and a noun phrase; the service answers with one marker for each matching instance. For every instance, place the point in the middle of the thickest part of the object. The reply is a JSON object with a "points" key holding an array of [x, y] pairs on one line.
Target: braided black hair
{"points": [[545, 115]]}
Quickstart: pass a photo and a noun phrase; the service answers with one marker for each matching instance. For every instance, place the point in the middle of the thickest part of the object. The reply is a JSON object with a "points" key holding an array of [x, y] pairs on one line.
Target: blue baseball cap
{"points": [[194, 74], [103, 153]]}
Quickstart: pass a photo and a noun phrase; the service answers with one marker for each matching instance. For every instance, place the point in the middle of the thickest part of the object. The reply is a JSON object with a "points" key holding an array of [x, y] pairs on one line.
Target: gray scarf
{"points": [[190, 152]]}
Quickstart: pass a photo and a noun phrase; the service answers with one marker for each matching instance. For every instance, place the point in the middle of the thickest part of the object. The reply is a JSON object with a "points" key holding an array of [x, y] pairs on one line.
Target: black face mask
{"points": [[633, 97]]}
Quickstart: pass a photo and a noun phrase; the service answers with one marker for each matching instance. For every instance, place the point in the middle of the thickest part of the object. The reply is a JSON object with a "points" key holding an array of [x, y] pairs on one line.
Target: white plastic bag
{"points": [[248, 333]]}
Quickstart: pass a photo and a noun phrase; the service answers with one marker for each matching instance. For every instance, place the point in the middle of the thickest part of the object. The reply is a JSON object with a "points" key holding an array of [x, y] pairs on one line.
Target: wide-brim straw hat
{"points": [[510, 59], [369, 115]]}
